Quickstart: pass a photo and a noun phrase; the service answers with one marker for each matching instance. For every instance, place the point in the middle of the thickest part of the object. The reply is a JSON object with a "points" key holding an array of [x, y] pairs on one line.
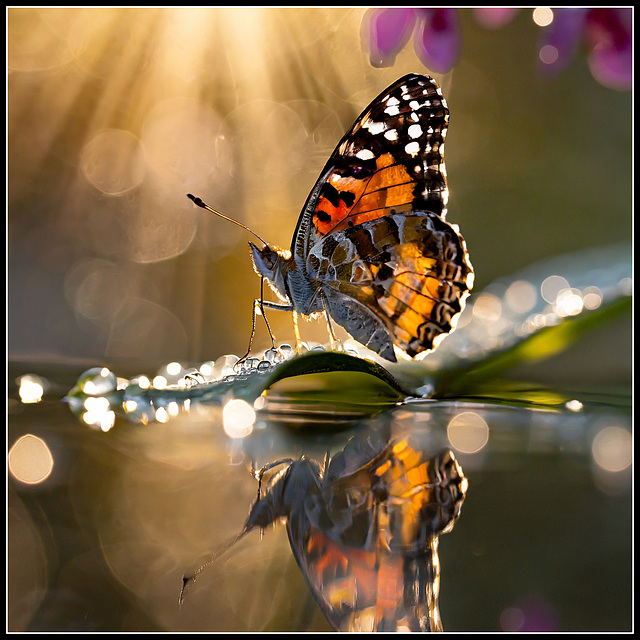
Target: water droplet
{"points": [[273, 356], [192, 378], [206, 369], [286, 350], [251, 363], [135, 403], [224, 366], [97, 381], [138, 385]]}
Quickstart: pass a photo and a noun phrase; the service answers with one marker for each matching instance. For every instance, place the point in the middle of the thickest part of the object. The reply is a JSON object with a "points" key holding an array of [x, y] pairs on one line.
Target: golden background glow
{"points": [[115, 114]]}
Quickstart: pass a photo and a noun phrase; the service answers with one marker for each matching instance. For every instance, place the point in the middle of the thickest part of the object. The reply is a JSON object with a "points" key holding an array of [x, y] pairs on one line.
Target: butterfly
{"points": [[364, 528], [372, 248]]}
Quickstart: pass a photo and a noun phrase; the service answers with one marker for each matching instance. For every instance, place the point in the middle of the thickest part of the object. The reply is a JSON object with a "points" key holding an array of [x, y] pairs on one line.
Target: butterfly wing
{"points": [[406, 276], [373, 236], [369, 590], [367, 543], [391, 158]]}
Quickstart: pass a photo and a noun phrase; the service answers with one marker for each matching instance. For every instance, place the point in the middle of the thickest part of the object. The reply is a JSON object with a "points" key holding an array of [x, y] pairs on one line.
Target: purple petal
{"points": [[438, 39], [494, 17], [385, 32], [609, 33]]}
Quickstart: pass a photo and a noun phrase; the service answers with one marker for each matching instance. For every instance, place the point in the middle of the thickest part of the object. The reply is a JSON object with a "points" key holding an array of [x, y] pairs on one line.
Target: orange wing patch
{"points": [[346, 201], [361, 580]]}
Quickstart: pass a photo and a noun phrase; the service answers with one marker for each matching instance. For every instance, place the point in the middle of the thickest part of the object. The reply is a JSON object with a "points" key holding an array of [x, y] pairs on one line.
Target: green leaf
{"points": [[543, 344], [323, 375]]}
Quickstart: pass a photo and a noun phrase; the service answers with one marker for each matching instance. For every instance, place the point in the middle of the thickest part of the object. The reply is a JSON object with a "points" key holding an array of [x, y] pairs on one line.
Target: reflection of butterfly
{"points": [[364, 530], [372, 248]]}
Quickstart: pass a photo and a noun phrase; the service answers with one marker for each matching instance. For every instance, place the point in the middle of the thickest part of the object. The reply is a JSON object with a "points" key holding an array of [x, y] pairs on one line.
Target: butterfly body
{"points": [[372, 248], [364, 530]]}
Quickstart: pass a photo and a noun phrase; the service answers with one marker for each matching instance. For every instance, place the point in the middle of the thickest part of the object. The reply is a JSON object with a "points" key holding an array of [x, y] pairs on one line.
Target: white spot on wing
{"points": [[365, 154], [412, 148], [374, 128]]}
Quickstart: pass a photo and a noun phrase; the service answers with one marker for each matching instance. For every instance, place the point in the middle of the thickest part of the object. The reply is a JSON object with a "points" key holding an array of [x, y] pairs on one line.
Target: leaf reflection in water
{"points": [[364, 528]]}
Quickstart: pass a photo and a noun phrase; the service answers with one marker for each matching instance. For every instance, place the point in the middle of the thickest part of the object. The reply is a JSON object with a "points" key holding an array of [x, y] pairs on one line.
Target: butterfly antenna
{"points": [[190, 576], [200, 203]]}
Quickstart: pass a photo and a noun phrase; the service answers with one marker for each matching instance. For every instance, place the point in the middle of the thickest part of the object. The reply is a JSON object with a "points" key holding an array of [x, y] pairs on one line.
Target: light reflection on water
{"points": [[468, 432], [30, 460], [30, 388], [147, 498]]}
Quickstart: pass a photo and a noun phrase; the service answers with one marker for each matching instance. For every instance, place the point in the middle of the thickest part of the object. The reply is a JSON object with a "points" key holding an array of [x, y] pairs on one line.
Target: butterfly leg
{"points": [[296, 331], [253, 332], [261, 304]]}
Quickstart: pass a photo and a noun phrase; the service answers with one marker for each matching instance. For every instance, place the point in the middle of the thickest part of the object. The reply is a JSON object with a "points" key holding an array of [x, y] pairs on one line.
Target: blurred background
{"points": [[115, 114]]}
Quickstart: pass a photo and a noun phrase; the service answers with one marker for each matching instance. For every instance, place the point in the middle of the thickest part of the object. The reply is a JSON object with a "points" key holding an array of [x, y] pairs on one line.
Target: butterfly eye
{"points": [[268, 258]]}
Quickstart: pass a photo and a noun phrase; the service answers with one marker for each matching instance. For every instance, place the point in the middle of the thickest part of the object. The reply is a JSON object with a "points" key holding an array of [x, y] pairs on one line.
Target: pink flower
{"points": [[385, 33], [436, 32], [607, 35], [438, 39]]}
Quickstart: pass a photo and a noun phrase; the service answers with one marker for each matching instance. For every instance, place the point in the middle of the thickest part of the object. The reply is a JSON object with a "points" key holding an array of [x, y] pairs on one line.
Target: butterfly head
{"points": [[272, 264]]}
